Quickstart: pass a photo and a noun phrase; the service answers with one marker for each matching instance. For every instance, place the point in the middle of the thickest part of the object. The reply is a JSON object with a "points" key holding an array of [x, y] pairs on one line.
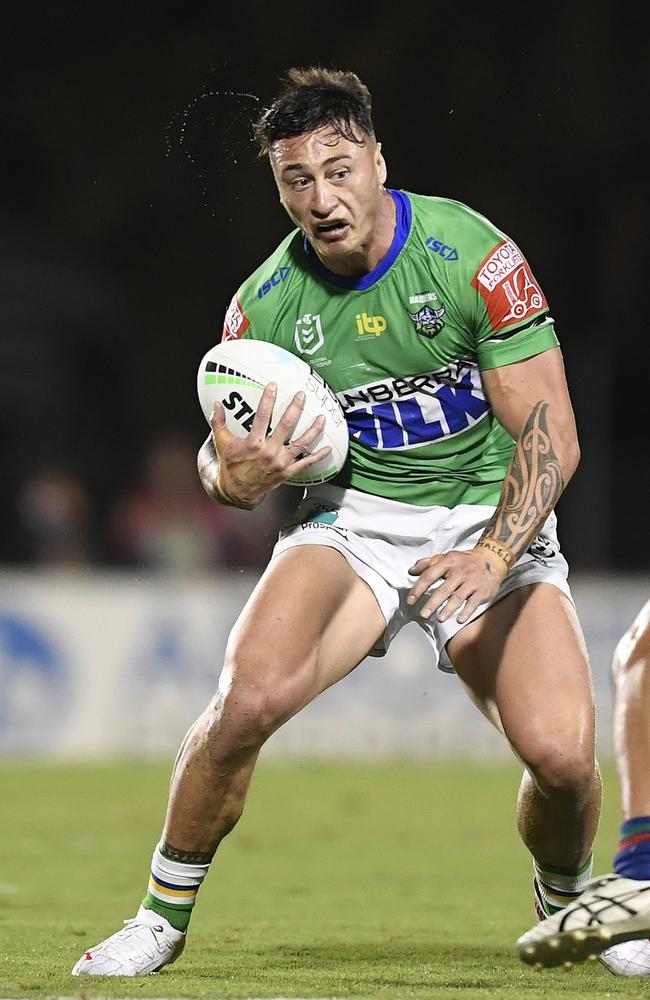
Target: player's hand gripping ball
{"points": [[236, 373]]}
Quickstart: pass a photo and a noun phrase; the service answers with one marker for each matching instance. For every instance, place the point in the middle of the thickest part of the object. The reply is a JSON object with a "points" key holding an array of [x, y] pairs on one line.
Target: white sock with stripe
{"points": [[173, 888], [555, 888]]}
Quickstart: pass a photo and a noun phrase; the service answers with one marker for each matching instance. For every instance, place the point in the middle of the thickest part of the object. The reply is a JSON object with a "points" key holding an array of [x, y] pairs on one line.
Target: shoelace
{"points": [[595, 911], [131, 928], [134, 922]]}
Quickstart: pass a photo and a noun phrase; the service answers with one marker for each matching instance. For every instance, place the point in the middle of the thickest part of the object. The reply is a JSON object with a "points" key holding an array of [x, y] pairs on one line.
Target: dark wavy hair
{"points": [[313, 98]]}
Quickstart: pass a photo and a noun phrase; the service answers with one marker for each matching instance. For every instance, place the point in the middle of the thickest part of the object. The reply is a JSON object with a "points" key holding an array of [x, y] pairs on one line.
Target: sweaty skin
{"points": [[333, 189], [430, 327]]}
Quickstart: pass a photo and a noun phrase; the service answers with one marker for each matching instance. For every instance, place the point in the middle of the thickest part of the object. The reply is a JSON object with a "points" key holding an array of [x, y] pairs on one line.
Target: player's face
{"points": [[333, 190]]}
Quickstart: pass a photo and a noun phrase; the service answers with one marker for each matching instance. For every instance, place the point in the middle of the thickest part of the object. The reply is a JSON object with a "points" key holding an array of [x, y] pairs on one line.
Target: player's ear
{"points": [[380, 163]]}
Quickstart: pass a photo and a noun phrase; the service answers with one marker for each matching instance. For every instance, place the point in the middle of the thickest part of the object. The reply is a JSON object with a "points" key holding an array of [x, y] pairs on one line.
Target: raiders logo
{"points": [[428, 322]]}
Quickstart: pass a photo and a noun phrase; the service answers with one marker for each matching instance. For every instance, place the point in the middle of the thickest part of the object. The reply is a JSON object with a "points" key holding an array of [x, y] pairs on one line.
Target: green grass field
{"points": [[342, 880]]}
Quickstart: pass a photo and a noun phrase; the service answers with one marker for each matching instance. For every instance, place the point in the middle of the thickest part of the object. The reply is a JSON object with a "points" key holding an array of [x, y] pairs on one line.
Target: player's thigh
{"points": [[526, 666], [309, 621]]}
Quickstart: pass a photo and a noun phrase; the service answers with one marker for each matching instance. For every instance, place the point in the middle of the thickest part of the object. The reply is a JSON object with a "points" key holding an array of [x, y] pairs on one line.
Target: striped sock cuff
{"points": [[633, 857], [175, 883], [634, 831], [557, 887]]}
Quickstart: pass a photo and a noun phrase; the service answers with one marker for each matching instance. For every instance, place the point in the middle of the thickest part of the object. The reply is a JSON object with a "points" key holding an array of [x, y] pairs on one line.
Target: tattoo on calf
{"points": [[531, 488], [185, 857]]}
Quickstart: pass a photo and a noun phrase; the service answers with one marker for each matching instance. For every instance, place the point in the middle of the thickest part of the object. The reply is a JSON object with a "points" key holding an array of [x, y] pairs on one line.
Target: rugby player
{"points": [[428, 323], [615, 907]]}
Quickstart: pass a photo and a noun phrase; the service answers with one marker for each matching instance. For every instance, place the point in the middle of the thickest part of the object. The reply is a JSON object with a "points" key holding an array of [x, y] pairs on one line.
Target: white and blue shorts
{"points": [[381, 539]]}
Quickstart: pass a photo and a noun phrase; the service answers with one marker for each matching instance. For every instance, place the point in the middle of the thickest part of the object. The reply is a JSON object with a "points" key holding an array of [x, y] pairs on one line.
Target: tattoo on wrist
{"points": [[531, 488], [499, 550], [186, 857]]}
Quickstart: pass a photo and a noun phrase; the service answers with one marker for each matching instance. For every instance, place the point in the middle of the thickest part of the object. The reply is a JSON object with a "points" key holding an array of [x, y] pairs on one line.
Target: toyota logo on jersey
{"points": [[236, 322], [507, 286]]}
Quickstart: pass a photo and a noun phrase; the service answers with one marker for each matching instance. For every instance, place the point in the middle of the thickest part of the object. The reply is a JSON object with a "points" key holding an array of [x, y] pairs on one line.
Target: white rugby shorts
{"points": [[381, 539]]}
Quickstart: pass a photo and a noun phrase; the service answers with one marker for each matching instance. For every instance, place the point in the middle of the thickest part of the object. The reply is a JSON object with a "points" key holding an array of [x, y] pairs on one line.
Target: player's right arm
{"points": [[239, 472]]}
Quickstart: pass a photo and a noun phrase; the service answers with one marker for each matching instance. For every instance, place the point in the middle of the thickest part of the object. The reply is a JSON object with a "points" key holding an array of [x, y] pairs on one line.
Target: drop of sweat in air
{"points": [[214, 134]]}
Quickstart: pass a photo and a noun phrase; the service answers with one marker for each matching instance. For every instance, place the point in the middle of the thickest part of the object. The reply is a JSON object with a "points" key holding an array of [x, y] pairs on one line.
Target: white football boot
{"points": [[630, 958], [144, 945], [611, 910]]}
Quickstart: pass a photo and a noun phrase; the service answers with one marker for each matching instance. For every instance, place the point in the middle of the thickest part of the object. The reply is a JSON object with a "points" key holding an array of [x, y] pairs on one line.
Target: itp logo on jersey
{"points": [[373, 325], [507, 286]]}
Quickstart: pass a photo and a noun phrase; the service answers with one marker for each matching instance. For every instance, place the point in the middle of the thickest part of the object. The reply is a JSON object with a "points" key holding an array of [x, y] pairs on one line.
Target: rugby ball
{"points": [[236, 373]]}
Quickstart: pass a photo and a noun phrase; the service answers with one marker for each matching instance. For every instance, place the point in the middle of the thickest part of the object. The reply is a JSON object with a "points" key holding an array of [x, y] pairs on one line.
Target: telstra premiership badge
{"points": [[308, 335]]}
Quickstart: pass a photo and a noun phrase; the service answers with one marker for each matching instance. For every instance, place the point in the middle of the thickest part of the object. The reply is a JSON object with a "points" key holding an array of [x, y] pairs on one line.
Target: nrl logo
{"points": [[428, 322], [308, 335]]}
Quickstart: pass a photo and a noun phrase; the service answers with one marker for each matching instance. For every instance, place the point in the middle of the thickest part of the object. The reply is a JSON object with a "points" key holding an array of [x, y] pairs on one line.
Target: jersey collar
{"points": [[402, 230]]}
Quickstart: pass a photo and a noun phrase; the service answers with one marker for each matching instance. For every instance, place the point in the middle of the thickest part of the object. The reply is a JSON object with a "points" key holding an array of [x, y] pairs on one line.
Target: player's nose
{"points": [[323, 200]]}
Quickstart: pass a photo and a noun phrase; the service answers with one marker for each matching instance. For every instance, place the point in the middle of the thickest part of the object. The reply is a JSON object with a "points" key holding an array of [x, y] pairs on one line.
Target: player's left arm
{"points": [[531, 400]]}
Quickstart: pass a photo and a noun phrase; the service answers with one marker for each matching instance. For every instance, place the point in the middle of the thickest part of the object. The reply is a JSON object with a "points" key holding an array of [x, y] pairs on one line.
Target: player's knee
{"points": [[563, 769], [242, 719], [261, 710], [249, 708]]}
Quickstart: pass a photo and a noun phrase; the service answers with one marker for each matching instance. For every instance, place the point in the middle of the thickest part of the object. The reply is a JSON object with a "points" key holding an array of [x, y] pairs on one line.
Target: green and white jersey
{"points": [[403, 346]]}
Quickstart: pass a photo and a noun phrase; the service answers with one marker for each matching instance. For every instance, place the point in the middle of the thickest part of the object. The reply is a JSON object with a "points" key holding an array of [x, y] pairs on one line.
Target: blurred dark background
{"points": [[133, 205]]}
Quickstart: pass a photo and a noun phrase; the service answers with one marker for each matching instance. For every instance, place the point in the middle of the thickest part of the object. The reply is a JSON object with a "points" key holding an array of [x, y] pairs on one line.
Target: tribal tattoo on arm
{"points": [[531, 488]]}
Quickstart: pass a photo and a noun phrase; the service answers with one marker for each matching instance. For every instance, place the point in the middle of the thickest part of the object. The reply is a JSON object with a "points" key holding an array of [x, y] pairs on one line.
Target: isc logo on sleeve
{"points": [[443, 249], [276, 279]]}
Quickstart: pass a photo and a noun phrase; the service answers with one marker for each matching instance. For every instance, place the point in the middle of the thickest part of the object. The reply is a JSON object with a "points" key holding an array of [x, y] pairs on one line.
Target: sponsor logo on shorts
{"points": [[236, 322], [507, 286], [322, 514], [374, 325], [276, 279], [324, 526], [543, 550], [308, 335], [442, 249]]}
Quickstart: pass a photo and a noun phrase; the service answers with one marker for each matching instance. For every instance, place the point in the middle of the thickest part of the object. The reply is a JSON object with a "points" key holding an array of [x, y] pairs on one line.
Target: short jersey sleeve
{"points": [[513, 321], [253, 310]]}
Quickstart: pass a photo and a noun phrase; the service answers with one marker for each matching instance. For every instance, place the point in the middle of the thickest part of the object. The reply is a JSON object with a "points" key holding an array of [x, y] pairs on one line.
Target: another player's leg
{"points": [[615, 908], [525, 665], [310, 621], [631, 677]]}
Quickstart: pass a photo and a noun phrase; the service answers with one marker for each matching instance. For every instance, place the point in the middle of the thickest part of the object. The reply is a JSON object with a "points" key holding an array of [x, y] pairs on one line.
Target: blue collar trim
{"points": [[402, 230]]}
